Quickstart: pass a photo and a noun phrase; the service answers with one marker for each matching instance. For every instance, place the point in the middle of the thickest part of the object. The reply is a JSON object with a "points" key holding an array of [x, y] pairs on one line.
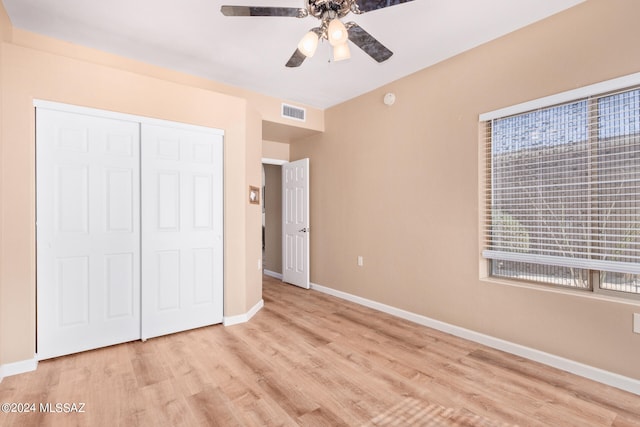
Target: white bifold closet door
{"points": [[129, 230], [181, 230], [88, 232]]}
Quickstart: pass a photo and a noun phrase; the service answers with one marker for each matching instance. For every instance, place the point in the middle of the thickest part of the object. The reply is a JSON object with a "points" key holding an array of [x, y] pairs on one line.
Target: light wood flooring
{"points": [[313, 360]]}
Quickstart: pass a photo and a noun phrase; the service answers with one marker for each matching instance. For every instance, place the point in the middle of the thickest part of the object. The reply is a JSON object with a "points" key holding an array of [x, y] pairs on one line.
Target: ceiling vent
{"points": [[295, 113]]}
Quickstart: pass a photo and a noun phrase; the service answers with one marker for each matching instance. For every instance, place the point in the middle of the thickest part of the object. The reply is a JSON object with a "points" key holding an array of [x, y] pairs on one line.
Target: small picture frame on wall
{"points": [[254, 195]]}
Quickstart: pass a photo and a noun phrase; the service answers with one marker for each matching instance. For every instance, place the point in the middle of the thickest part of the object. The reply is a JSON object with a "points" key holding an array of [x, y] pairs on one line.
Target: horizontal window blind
{"points": [[563, 185]]}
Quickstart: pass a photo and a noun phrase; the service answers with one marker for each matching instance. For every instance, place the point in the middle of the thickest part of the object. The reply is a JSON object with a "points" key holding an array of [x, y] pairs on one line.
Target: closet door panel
{"points": [[88, 234], [182, 245]]}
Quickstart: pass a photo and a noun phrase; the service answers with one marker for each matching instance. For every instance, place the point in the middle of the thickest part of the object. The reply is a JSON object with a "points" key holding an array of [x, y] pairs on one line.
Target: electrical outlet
{"points": [[636, 323], [360, 261]]}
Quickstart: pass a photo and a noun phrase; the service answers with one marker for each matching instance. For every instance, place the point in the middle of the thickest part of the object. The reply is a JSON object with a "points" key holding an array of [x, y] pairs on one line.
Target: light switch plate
{"points": [[636, 323]]}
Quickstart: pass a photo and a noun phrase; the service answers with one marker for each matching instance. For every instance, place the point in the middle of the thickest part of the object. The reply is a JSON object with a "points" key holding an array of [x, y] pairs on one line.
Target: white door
{"points": [[182, 245], [88, 236], [295, 223]]}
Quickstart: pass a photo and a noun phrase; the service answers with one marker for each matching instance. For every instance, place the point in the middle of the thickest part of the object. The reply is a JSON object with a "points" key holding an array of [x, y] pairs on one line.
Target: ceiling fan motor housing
{"points": [[330, 9]]}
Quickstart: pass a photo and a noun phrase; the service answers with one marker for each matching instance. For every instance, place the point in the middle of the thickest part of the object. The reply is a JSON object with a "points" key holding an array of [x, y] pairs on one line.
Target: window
{"points": [[563, 194]]}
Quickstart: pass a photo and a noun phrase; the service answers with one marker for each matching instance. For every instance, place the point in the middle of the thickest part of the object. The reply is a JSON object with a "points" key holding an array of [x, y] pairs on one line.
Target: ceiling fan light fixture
{"points": [[308, 44], [341, 52], [337, 32], [330, 28]]}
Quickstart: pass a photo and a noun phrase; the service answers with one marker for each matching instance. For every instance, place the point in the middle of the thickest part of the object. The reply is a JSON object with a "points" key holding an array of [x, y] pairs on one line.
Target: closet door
{"points": [[182, 245], [88, 235]]}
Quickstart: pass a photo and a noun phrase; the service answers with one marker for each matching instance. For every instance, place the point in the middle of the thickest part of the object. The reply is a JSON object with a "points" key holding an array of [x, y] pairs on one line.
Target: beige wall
{"points": [[273, 218], [5, 25], [399, 186], [5, 35], [253, 224], [275, 150]]}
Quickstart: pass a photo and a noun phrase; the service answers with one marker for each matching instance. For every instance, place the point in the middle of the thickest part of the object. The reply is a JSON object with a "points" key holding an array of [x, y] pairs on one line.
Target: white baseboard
{"points": [[273, 274], [615, 380], [242, 318], [15, 368]]}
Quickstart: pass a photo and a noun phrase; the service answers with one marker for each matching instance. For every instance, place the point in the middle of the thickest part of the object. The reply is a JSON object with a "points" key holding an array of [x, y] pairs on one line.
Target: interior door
{"points": [[182, 229], [88, 234], [295, 223]]}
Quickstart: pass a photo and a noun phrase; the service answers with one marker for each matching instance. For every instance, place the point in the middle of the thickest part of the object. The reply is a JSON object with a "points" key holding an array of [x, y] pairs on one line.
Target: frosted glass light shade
{"points": [[337, 32], [341, 52], [308, 44]]}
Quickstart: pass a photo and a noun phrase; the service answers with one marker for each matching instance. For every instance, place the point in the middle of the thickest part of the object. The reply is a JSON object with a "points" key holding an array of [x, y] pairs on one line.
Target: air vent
{"points": [[292, 112]]}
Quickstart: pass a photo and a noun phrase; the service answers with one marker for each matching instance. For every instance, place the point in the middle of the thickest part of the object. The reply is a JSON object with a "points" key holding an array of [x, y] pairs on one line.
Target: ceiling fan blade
{"points": [[296, 59], [368, 43], [369, 5], [293, 12]]}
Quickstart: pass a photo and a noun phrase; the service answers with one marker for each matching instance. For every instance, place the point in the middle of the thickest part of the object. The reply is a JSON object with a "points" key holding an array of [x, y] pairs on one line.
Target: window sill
{"points": [[602, 295]]}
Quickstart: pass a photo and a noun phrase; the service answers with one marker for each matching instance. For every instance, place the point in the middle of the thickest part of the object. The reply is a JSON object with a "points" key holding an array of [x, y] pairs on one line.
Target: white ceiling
{"points": [[192, 36]]}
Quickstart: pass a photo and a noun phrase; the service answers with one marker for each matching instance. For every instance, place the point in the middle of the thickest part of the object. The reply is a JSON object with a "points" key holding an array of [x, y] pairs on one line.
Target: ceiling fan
{"points": [[331, 28]]}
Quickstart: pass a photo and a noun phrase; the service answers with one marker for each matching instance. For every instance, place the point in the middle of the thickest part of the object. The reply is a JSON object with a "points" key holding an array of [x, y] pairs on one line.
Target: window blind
{"points": [[562, 185]]}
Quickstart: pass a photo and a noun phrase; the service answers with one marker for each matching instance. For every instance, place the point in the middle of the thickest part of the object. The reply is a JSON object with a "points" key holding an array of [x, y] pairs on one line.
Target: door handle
{"points": [[304, 230]]}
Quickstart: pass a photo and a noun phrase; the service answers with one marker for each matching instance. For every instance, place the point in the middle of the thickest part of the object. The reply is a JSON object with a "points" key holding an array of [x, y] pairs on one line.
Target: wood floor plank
{"points": [[600, 395], [311, 359], [213, 408]]}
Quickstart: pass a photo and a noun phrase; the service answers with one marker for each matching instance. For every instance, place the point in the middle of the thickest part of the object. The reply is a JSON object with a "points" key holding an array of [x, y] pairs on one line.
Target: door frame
{"points": [[280, 162], [276, 162]]}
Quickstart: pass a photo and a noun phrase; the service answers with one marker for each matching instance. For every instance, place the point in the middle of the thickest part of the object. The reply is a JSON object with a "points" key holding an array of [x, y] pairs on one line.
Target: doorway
{"points": [[272, 220], [289, 207]]}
